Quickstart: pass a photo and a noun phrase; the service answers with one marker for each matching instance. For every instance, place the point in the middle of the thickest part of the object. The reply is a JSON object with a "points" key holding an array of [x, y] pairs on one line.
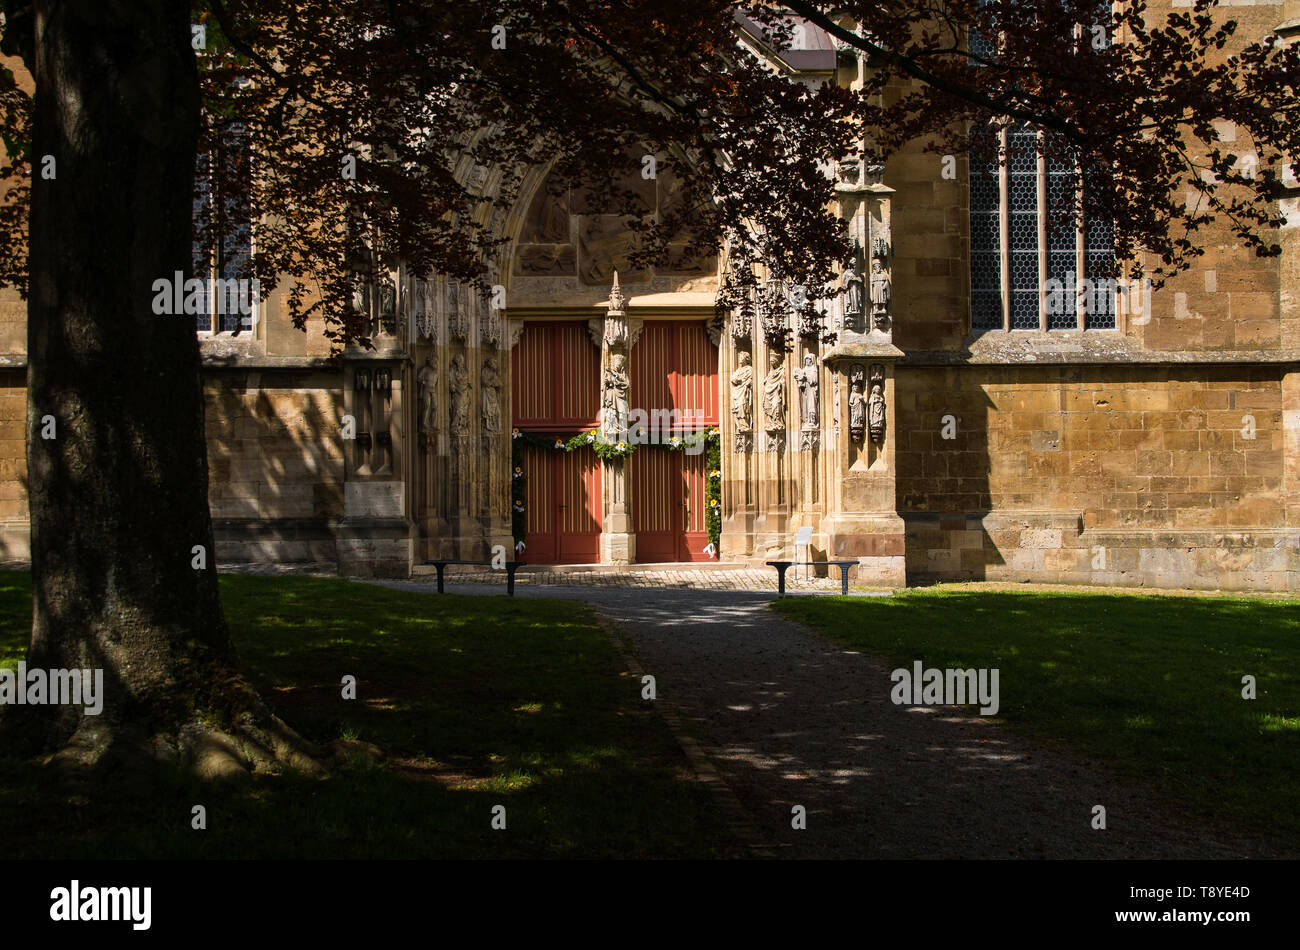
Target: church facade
{"points": [[987, 410]]}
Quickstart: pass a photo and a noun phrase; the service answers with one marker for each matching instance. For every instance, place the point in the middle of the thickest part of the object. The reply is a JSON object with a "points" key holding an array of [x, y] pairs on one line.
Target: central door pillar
{"points": [[617, 542]]}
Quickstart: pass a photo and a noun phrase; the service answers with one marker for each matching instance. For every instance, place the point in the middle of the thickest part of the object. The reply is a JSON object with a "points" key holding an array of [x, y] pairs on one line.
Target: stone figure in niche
{"points": [[879, 295], [615, 399], [876, 412], [427, 380], [807, 381], [490, 383], [742, 392], [361, 296], [387, 303], [857, 403], [383, 382], [361, 284], [459, 396], [852, 285], [774, 394]]}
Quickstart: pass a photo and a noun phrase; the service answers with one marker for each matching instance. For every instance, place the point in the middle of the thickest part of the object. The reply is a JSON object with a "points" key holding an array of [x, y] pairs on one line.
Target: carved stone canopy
{"points": [[616, 299], [598, 328]]}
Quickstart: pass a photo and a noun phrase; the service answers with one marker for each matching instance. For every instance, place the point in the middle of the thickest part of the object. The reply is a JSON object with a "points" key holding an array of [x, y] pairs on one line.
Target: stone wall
{"points": [[275, 463], [1113, 474]]}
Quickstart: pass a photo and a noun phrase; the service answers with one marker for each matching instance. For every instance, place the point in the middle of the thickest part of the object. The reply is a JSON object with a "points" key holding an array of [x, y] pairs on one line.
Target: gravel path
{"points": [[791, 720]]}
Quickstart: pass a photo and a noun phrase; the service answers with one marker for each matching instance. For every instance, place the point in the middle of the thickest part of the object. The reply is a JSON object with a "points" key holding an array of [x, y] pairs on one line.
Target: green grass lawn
{"points": [[476, 701], [1149, 685]]}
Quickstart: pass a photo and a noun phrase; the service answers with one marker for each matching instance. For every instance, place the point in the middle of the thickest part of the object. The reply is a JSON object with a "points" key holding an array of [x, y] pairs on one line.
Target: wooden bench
{"points": [[511, 567], [783, 566]]}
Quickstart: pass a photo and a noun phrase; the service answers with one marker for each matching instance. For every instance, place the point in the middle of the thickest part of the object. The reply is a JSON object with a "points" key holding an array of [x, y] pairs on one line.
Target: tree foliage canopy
{"points": [[417, 93]]}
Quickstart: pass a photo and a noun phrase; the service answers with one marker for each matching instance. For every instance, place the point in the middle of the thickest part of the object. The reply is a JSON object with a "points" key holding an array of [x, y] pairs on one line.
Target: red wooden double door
{"points": [[556, 392]]}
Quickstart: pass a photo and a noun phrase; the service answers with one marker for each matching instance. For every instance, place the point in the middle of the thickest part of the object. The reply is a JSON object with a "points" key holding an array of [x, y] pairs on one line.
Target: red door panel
{"points": [[578, 507], [695, 537], [540, 542], [564, 507], [656, 507], [555, 377]]}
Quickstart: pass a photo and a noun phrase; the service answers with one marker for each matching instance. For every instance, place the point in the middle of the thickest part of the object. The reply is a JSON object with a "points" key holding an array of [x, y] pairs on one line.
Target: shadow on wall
{"points": [[275, 463], [942, 486]]}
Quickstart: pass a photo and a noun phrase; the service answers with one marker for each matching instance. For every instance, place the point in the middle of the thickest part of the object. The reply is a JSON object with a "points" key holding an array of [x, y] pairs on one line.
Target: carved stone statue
{"points": [[852, 285], [387, 304], [774, 395], [857, 403], [809, 387], [459, 396], [490, 383], [427, 380], [614, 400], [361, 296], [742, 392], [361, 290], [879, 295], [876, 413]]}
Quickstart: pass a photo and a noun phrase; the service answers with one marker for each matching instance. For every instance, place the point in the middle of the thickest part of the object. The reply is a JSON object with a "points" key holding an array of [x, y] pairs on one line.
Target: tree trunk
{"points": [[118, 496]]}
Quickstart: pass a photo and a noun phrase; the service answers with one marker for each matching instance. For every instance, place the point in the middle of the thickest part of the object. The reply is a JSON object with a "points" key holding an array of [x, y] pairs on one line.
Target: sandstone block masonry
{"points": [[1166, 476]]}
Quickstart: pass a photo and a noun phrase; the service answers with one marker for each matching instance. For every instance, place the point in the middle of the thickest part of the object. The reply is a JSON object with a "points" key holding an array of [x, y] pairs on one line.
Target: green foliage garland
{"points": [[713, 490]]}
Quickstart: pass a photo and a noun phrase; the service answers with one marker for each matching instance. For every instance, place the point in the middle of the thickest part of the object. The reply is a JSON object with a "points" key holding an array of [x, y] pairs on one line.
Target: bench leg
{"points": [[510, 578], [440, 568], [844, 579], [780, 580]]}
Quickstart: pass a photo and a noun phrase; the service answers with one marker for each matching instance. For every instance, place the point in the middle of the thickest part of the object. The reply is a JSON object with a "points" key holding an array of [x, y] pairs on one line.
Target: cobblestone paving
{"points": [[790, 719], [735, 579], [759, 580]]}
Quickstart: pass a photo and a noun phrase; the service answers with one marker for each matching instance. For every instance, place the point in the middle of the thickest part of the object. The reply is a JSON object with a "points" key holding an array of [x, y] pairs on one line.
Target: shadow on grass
{"points": [[475, 702], [1150, 685]]}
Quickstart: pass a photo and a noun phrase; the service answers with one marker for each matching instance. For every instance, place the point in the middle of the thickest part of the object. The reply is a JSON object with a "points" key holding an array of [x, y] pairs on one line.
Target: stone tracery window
{"points": [[226, 211], [1033, 264]]}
